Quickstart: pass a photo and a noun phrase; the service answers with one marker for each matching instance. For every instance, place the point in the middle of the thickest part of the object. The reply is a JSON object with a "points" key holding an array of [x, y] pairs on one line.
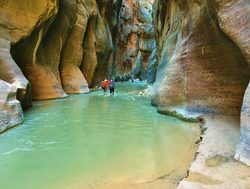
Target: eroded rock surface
{"points": [[17, 21], [135, 41], [61, 47], [201, 68], [234, 18], [13, 75], [203, 52], [11, 112]]}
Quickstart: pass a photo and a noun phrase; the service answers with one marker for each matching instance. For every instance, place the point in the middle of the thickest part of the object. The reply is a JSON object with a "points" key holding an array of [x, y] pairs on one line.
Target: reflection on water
{"points": [[91, 140]]}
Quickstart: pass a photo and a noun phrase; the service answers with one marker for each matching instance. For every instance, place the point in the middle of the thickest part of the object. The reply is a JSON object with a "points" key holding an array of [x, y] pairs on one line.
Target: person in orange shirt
{"points": [[104, 86]]}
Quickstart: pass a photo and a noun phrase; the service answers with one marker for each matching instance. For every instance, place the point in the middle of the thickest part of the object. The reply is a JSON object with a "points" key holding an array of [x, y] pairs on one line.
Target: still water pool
{"points": [[91, 141]]}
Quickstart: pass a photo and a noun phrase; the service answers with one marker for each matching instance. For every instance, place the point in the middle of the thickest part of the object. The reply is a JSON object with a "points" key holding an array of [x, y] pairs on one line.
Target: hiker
{"points": [[132, 79], [112, 87], [109, 81], [104, 86]]}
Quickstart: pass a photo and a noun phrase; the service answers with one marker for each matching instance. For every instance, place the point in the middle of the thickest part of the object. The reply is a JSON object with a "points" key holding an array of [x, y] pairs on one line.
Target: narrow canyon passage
{"points": [[94, 141], [193, 55]]}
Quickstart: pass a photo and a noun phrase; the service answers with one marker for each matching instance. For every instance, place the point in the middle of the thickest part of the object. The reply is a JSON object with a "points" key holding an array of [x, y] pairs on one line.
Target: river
{"points": [[93, 141]]}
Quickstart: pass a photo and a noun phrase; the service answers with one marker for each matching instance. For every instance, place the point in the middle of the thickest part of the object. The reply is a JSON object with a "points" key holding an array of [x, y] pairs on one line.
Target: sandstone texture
{"points": [[201, 67], [203, 53], [52, 48], [11, 112], [62, 55], [17, 21], [234, 21], [135, 40]]}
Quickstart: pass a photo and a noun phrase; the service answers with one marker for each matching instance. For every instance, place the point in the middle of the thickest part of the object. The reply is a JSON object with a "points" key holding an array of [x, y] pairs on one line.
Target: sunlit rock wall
{"points": [[17, 20], [51, 48], [203, 53], [62, 55], [135, 41]]}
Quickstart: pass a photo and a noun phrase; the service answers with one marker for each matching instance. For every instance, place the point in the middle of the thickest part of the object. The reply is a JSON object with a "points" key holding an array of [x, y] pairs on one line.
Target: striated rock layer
{"points": [[203, 53]]}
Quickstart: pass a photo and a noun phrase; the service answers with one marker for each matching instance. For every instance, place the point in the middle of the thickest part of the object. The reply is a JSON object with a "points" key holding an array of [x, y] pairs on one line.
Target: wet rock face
{"points": [[203, 53], [135, 41]]}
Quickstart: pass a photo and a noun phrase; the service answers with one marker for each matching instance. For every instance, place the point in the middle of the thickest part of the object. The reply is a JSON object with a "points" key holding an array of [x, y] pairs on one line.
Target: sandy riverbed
{"points": [[215, 166]]}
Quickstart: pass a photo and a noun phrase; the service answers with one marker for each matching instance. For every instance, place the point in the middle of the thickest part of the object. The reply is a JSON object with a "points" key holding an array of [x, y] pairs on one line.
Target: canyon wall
{"points": [[135, 41], [203, 53], [17, 21], [52, 48]]}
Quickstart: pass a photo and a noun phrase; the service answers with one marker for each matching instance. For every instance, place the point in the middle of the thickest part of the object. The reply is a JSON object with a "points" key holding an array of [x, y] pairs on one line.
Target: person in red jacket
{"points": [[104, 86]]}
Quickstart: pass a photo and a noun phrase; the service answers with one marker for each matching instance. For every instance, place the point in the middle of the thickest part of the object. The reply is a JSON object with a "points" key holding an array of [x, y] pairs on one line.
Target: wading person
{"points": [[112, 87], [104, 86]]}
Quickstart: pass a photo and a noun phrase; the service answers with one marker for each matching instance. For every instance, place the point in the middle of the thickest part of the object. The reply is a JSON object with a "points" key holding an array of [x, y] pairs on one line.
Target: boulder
{"points": [[11, 113]]}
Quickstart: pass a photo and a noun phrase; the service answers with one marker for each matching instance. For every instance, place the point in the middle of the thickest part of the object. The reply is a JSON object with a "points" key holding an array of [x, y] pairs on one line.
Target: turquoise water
{"points": [[88, 141]]}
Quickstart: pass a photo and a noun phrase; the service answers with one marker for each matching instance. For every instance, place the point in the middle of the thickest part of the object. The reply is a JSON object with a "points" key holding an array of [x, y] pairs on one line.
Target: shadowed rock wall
{"points": [[203, 54]]}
